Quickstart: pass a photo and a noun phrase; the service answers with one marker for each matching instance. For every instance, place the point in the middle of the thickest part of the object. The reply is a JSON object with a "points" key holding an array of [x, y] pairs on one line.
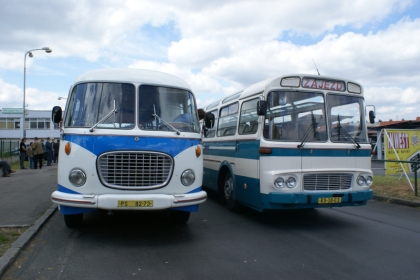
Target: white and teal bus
{"points": [[289, 142], [130, 140]]}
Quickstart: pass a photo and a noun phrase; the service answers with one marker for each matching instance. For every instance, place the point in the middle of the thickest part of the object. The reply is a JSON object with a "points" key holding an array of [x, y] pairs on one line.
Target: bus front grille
{"points": [[134, 170], [327, 181]]}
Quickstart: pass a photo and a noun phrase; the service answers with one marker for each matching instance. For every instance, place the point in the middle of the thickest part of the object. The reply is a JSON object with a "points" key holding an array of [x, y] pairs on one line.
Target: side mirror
{"points": [[201, 114], [372, 117], [57, 114], [261, 108], [209, 120]]}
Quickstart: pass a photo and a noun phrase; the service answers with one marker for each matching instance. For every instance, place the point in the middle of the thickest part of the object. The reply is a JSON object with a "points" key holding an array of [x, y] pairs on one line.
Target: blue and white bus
{"points": [[130, 140], [289, 142]]}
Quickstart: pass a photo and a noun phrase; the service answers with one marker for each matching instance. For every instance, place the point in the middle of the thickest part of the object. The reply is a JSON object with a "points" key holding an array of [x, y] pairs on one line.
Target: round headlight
{"points": [[291, 182], [279, 183], [369, 180], [360, 180], [187, 177], [77, 177]]}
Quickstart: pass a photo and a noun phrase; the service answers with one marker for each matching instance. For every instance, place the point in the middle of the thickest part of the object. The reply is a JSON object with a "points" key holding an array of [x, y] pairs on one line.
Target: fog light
{"points": [[279, 183], [187, 177], [291, 182], [360, 180], [77, 177]]}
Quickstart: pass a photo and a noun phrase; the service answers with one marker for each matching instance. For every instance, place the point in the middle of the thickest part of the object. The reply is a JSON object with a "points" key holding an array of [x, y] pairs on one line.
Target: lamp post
{"points": [[47, 50], [61, 98]]}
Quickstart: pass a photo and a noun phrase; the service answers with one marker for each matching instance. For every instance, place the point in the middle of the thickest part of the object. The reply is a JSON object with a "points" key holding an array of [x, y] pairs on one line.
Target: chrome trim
{"points": [[327, 181]]}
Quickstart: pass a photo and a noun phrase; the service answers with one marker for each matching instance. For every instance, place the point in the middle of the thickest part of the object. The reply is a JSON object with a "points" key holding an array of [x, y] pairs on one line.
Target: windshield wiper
{"points": [[307, 132], [340, 128], [167, 124], [113, 112]]}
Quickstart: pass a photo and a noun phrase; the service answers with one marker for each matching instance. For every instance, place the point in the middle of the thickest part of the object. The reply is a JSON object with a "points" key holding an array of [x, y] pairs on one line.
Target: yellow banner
{"points": [[405, 144]]}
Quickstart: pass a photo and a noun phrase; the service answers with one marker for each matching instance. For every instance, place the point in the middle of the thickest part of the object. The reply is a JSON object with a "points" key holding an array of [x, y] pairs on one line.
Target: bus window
{"points": [[248, 122], [228, 120]]}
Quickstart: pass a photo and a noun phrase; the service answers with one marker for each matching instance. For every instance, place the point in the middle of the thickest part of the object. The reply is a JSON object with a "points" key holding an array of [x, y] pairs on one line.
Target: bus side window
{"points": [[228, 120], [248, 122]]}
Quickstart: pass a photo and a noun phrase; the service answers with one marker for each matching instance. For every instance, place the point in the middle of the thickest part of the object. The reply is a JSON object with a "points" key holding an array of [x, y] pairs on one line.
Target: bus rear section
{"points": [[130, 140], [289, 142]]}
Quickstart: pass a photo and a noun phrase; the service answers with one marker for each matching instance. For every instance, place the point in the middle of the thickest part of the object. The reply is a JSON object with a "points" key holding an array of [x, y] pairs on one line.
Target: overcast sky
{"points": [[217, 46]]}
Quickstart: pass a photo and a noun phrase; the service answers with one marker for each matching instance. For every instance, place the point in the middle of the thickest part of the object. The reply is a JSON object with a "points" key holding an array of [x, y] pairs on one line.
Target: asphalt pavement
{"points": [[25, 201]]}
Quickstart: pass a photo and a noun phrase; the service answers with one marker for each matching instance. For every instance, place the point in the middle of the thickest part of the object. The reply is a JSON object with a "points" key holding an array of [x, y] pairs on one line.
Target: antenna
{"points": [[316, 67]]}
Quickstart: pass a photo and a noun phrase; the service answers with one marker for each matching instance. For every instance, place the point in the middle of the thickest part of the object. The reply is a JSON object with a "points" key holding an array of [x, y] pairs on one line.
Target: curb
{"points": [[396, 201], [10, 255]]}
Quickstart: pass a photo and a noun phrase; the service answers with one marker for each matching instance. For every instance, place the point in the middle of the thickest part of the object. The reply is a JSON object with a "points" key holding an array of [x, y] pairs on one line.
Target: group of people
{"points": [[36, 150]]}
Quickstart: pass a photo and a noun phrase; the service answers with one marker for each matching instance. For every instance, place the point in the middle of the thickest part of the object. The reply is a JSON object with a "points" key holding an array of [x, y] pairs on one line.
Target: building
{"points": [[38, 123]]}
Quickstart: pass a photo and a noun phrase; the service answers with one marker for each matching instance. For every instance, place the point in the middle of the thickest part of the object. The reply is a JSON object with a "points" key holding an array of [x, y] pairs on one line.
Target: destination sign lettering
{"points": [[323, 84]]}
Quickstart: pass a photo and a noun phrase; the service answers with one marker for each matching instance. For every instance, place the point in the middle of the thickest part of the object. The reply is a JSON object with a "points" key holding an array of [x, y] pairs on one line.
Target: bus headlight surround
{"points": [[279, 183], [291, 182], [77, 177], [187, 177]]}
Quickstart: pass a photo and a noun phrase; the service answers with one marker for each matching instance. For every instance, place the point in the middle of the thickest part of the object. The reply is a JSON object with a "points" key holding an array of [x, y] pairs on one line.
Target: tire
{"points": [[73, 221], [179, 217], [229, 193]]}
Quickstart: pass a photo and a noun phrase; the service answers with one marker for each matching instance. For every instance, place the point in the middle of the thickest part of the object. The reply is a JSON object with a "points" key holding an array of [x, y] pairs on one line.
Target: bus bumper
{"points": [[114, 201], [311, 200]]}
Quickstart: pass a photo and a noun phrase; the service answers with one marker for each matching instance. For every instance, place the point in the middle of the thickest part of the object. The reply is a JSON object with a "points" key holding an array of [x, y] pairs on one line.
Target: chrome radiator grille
{"points": [[327, 181], [134, 170]]}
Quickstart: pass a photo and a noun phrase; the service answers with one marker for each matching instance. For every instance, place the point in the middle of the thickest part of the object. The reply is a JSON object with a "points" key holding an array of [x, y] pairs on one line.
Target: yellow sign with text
{"points": [[405, 144]]}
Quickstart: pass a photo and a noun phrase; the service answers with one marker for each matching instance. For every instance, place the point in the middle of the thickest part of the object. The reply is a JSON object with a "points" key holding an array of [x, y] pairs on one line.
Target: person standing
{"points": [[48, 146], [56, 147], [38, 153], [22, 150], [30, 153]]}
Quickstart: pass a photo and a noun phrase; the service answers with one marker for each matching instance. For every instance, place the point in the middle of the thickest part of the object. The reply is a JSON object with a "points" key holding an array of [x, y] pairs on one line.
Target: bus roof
{"points": [[132, 75], [259, 87]]}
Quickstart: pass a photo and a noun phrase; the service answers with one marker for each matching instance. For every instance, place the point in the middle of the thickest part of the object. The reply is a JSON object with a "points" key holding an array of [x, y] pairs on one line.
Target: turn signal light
{"points": [[67, 148], [198, 151]]}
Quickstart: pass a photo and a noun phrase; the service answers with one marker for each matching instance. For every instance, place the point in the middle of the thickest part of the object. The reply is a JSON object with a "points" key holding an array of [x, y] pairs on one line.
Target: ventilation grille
{"points": [[327, 182], [135, 170]]}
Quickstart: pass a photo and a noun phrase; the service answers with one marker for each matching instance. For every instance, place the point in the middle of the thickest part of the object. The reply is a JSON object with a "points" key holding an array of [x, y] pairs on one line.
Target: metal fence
{"points": [[9, 150]]}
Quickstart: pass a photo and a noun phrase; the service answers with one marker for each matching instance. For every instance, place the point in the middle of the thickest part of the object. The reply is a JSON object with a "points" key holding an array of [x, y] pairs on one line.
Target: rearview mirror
{"points": [[261, 108], [57, 114], [209, 120], [372, 117]]}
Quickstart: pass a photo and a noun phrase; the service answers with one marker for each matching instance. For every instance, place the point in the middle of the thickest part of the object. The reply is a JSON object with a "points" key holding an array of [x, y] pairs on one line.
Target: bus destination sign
{"points": [[323, 84]]}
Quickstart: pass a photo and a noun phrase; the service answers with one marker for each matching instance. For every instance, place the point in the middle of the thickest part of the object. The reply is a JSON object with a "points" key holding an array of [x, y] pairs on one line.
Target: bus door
{"points": [[246, 167]]}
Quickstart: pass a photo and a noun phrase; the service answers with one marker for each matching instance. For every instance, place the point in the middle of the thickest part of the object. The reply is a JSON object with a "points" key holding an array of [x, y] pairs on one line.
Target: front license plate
{"points": [[135, 203], [328, 200]]}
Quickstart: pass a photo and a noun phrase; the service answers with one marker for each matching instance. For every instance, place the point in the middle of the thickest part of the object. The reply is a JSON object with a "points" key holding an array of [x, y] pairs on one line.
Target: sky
{"points": [[218, 47]]}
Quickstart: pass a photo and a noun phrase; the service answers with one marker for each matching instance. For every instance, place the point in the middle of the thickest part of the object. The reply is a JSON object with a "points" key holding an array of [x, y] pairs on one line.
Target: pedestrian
{"points": [[49, 151], [6, 168], [38, 153], [44, 149], [56, 147], [30, 153], [22, 150]]}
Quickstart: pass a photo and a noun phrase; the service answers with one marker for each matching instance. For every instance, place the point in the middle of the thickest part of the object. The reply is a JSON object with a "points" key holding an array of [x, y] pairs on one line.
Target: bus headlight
{"points": [[279, 183], [369, 180], [360, 180], [291, 182], [77, 177], [187, 177]]}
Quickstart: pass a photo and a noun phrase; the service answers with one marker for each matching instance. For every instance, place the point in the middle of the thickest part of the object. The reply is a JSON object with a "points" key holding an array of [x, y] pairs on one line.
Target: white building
{"points": [[38, 123]]}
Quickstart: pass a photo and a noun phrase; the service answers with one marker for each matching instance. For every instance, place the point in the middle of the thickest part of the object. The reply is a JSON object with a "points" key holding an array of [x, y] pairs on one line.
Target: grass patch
{"points": [[396, 187], [8, 236]]}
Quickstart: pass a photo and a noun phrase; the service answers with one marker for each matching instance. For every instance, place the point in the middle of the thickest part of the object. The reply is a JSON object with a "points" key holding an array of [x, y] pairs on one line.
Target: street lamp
{"points": [[61, 98], [47, 50]]}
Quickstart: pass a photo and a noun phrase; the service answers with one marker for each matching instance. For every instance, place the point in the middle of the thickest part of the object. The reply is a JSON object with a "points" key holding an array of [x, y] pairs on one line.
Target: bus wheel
{"points": [[228, 191], [179, 217], [74, 220]]}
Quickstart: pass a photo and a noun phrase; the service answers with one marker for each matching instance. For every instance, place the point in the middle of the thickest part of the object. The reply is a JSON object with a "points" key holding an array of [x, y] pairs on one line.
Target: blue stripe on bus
{"points": [[101, 144], [249, 150]]}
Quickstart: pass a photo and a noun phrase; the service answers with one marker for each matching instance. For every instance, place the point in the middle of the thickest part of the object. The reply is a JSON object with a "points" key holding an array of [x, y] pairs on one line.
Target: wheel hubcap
{"points": [[228, 188]]}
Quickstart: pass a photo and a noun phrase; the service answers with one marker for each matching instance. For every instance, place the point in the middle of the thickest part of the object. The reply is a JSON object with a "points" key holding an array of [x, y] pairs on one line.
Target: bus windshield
{"points": [[346, 118], [166, 109], [295, 116], [91, 103], [160, 108]]}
